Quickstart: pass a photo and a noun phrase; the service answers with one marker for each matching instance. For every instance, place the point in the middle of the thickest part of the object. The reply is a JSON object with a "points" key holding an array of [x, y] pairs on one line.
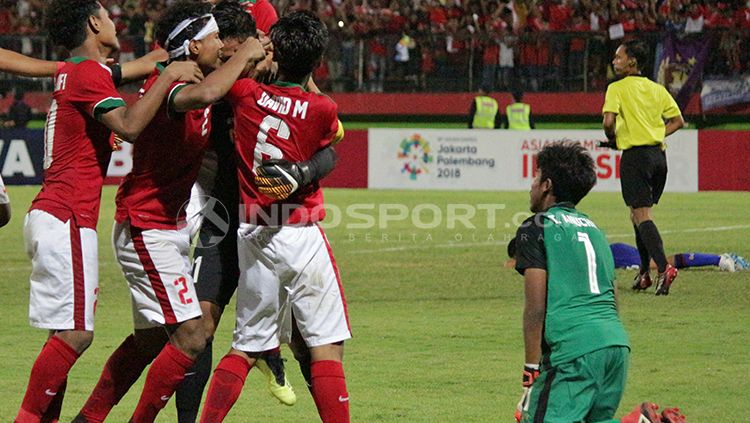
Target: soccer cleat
{"points": [[726, 263], [739, 262], [272, 366], [665, 279], [672, 415], [647, 412], [642, 281]]}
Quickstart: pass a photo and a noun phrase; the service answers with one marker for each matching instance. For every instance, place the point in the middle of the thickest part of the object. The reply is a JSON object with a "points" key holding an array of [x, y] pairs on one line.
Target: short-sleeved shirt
{"points": [[263, 13], [581, 314], [3, 193], [166, 159], [76, 145], [276, 121], [641, 106]]}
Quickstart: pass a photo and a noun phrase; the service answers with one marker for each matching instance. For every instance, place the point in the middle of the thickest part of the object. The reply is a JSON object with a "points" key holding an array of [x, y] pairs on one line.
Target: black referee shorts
{"points": [[643, 174], [215, 267]]}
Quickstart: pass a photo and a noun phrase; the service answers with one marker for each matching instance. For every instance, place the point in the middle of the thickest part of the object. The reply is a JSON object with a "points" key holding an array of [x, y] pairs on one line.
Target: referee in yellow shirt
{"points": [[638, 115]]}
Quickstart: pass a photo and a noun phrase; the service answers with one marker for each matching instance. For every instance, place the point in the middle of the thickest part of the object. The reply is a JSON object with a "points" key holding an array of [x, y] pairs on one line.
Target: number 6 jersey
{"points": [[280, 121]]}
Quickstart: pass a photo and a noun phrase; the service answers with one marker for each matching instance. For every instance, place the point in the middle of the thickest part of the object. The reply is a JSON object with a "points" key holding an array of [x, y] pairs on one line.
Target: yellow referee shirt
{"points": [[641, 106]]}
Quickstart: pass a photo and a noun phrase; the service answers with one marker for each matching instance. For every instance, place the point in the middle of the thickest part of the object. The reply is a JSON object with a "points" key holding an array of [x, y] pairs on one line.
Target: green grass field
{"points": [[437, 322]]}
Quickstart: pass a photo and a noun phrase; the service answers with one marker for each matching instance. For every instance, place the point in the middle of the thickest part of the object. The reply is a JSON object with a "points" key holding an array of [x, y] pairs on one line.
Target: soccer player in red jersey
{"points": [[60, 228], [150, 238], [287, 269]]}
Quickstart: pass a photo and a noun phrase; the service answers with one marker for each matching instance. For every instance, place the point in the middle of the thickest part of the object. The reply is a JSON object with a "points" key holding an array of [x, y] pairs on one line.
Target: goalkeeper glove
{"points": [[530, 373], [279, 178]]}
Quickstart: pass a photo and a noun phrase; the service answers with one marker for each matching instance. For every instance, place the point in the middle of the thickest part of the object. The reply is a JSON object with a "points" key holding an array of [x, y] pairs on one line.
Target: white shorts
{"points": [[156, 265], [64, 272], [285, 270]]}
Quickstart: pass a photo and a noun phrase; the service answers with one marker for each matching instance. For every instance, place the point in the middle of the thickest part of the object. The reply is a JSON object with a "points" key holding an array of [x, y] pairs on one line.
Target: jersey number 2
{"points": [[591, 260], [265, 150]]}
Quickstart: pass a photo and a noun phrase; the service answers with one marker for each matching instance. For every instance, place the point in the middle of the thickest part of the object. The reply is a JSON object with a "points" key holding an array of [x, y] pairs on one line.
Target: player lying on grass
{"points": [[60, 228], [287, 270], [150, 238], [627, 257], [575, 345]]}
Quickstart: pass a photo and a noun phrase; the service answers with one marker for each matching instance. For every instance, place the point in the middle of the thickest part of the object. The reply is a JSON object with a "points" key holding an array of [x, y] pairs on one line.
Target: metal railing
{"points": [[439, 62]]}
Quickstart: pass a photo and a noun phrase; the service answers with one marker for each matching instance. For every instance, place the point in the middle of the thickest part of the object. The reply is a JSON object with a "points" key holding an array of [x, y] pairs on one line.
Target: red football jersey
{"points": [[277, 121], [263, 13], [166, 159], [76, 144]]}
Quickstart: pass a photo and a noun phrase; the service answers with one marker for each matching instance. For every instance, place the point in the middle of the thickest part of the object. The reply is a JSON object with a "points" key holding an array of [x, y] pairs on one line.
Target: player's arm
{"points": [[18, 64], [673, 124], [219, 82], [535, 307], [608, 124], [128, 122], [142, 67]]}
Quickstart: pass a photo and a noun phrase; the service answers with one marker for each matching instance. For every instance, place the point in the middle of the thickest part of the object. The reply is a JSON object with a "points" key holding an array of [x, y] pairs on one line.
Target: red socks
{"points": [[329, 391], [123, 368], [55, 407], [48, 374], [226, 386], [162, 380]]}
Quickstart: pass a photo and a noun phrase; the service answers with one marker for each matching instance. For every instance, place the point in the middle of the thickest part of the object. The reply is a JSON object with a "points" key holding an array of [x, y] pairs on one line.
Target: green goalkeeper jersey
{"points": [[581, 314]]}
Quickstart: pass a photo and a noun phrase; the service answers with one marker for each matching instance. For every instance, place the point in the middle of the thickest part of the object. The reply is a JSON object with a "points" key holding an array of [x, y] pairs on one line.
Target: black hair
{"points": [[637, 50], [518, 96], [570, 168], [299, 40], [234, 22], [176, 13], [512, 248], [67, 21]]}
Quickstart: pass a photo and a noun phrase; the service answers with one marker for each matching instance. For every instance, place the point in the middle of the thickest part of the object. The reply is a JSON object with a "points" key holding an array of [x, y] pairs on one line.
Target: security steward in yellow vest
{"points": [[484, 112], [518, 114]]}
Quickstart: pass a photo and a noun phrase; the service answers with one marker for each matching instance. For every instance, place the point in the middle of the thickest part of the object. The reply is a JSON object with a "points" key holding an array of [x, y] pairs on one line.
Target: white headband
{"points": [[210, 27]]}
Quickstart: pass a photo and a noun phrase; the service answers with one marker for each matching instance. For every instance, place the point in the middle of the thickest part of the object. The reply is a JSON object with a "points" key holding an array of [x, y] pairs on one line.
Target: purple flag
{"points": [[680, 65]]}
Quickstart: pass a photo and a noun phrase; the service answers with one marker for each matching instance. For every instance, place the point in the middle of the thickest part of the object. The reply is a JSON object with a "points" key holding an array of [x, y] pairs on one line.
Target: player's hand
{"points": [[530, 373], [523, 404], [607, 144], [185, 71], [266, 70], [253, 50], [278, 178], [265, 41]]}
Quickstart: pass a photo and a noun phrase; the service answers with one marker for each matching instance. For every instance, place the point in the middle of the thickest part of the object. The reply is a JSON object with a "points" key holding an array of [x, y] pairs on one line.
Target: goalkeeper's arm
{"points": [[279, 178]]}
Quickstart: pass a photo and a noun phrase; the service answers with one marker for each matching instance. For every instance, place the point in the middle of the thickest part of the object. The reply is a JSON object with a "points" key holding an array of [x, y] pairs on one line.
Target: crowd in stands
{"points": [[534, 45]]}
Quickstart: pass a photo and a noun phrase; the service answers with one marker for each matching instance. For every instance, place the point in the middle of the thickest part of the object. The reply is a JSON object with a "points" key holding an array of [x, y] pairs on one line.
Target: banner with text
{"points": [[502, 160], [22, 158]]}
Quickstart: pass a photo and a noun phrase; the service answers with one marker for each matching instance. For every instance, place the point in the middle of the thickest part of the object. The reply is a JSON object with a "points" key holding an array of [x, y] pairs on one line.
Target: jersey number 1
{"points": [[591, 260]]}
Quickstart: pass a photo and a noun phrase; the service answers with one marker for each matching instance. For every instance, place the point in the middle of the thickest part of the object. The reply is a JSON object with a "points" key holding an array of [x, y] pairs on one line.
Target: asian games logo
{"points": [[415, 152]]}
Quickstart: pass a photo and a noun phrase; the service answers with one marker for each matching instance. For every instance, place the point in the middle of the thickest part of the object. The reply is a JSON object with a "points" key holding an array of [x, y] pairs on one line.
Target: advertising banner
{"points": [[502, 160], [22, 158], [725, 92]]}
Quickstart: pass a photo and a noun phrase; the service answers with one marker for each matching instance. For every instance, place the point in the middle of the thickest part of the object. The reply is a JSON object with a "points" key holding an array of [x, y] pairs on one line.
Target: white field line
{"points": [[425, 245]]}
